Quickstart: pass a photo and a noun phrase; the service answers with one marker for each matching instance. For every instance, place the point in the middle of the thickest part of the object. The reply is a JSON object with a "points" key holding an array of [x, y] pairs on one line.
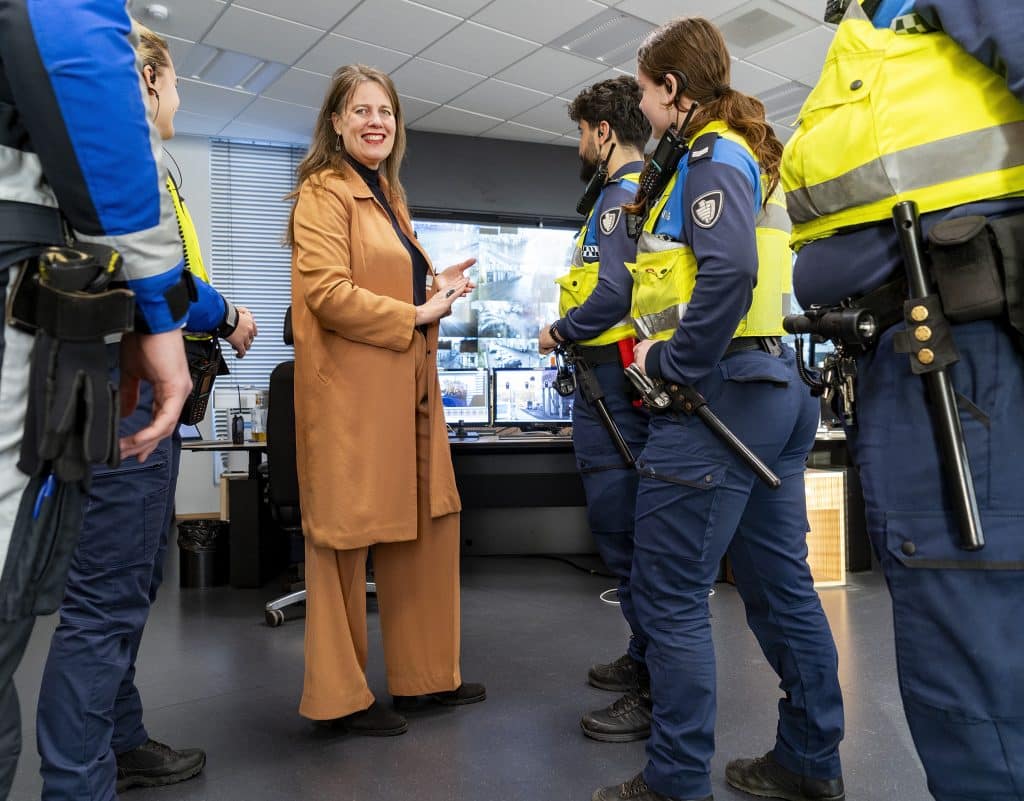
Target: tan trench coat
{"points": [[355, 404]]}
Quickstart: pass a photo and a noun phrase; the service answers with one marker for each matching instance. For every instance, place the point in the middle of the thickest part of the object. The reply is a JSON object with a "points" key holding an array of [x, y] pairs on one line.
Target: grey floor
{"points": [[213, 675]]}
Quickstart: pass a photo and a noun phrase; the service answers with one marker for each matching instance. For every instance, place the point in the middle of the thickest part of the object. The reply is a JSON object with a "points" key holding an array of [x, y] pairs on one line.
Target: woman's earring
{"points": [[337, 144]]}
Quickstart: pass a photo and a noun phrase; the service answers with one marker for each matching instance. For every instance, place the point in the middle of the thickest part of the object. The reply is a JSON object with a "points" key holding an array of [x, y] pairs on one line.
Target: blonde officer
{"points": [[712, 277]]}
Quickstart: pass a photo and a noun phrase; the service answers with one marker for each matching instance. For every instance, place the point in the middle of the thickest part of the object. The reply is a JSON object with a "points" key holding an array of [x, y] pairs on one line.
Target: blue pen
{"points": [[45, 492]]}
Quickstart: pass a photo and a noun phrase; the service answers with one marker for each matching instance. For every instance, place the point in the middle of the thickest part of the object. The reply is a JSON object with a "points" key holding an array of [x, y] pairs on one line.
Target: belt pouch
{"points": [[965, 266]]}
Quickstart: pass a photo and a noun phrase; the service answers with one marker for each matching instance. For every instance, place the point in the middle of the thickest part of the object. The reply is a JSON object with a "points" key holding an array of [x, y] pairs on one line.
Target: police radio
{"points": [[659, 170], [595, 185]]}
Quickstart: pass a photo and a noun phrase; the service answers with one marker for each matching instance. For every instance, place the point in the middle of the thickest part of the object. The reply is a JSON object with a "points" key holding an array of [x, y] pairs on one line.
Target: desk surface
{"points": [[221, 445]]}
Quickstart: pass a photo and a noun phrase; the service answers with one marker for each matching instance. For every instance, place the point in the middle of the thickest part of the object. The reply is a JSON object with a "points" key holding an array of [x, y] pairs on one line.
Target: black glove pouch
{"points": [[965, 265], [72, 417]]}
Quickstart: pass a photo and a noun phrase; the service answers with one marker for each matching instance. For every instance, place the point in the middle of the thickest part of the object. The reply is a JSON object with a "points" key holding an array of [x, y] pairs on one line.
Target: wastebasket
{"points": [[203, 547]]}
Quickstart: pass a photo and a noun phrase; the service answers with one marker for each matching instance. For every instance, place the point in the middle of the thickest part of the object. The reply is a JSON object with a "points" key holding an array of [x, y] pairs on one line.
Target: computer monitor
{"points": [[528, 398], [465, 395]]}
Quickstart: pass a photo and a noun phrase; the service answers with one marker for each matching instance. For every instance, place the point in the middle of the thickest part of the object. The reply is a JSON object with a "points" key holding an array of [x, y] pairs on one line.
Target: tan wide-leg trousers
{"points": [[417, 595]]}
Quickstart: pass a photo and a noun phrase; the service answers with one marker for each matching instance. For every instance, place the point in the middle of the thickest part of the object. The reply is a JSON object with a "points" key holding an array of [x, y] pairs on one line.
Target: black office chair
{"points": [[282, 474]]}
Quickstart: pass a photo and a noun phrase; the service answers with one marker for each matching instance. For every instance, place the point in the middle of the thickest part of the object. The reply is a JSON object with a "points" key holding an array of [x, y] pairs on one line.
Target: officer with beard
{"points": [[594, 302]]}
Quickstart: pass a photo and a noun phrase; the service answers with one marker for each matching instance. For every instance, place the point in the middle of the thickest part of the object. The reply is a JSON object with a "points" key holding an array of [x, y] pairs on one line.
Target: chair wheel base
{"points": [[274, 617]]}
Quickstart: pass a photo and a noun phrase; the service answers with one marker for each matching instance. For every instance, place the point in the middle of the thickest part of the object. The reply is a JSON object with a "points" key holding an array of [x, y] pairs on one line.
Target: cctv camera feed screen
{"points": [[528, 396], [496, 325], [465, 396]]}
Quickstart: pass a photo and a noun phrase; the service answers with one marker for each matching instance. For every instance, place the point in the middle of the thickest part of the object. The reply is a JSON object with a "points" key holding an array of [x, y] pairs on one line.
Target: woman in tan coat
{"points": [[373, 459]]}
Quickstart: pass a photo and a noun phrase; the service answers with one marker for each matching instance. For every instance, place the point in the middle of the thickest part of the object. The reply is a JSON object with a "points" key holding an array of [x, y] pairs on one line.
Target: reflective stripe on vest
{"points": [[895, 117], [580, 282], [665, 271]]}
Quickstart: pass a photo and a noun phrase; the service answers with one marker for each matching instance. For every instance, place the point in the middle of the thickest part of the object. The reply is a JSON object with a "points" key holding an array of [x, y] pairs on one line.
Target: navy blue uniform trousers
{"points": [[697, 501], [957, 614], [89, 708], [610, 484]]}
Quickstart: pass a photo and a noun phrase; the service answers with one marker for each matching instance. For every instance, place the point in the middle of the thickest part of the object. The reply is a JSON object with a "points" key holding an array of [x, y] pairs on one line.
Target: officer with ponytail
{"points": [[711, 282]]}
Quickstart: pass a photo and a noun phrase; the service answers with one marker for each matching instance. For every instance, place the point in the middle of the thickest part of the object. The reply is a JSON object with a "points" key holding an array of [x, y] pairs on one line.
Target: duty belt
{"points": [[600, 354], [772, 345]]}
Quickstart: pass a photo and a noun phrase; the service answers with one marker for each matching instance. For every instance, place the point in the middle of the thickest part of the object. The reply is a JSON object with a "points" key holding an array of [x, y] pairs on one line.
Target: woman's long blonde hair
{"points": [[696, 48], [327, 150]]}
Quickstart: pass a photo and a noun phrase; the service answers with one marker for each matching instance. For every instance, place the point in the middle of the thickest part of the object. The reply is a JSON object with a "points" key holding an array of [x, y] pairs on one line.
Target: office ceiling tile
{"points": [[413, 108], [753, 80], [520, 133], [212, 101], [814, 9], [299, 86], [335, 51], [572, 91], [609, 37], [550, 71], [784, 102], [278, 114], [661, 11], [537, 20], [460, 8], [759, 24], [418, 26], [231, 69], [432, 81], [784, 132], [271, 38], [187, 19], [797, 57], [453, 120], [260, 133], [499, 99], [323, 14], [550, 116], [478, 48], [186, 122]]}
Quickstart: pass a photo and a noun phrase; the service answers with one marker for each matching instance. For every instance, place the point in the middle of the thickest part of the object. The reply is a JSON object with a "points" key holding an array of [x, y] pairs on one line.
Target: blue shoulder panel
{"points": [[109, 135]]}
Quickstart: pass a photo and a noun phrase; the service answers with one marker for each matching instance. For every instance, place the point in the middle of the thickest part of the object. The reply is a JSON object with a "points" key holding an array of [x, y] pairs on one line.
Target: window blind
{"points": [[250, 265]]}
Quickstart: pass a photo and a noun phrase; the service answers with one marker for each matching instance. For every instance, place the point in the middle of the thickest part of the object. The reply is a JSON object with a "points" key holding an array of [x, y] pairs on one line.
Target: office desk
{"points": [[259, 549], [523, 494]]}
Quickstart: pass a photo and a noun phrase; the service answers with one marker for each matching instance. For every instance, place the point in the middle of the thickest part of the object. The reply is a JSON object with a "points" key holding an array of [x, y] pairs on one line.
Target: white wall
{"points": [[196, 491]]}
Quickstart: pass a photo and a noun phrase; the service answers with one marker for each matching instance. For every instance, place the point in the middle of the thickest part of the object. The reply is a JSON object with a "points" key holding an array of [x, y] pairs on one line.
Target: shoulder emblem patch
{"points": [[707, 209], [610, 219]]}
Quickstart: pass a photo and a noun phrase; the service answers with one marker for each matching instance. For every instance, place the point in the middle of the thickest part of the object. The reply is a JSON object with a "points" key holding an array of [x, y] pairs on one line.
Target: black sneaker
{"points": [[465, 693], [627, 719], [376, 720], [617, 677], [765, 777], [635, 789], [154, 764]]}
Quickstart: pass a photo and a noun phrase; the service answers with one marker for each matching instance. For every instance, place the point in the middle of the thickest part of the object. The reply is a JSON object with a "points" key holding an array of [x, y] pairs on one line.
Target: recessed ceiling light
{"points": [[158, 11]]}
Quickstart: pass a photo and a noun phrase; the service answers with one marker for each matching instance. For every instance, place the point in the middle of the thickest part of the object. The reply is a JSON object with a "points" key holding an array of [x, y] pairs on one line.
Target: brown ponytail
{"points": [[696, 48]]}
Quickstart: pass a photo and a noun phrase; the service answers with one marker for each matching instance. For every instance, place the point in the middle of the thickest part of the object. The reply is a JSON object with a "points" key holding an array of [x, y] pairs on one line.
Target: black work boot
{"points": [[154, 764], [635, 789], [376, 720], [765, 777], [465, 693], [627, 719], [617, 677]]}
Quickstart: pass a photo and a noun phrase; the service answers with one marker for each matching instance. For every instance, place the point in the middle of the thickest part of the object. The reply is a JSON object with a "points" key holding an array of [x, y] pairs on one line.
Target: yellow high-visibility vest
{"points": [[665, 271], [894, 117]]}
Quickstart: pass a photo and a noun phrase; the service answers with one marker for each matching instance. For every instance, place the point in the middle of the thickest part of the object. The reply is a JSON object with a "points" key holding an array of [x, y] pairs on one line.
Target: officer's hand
{"points": [[440, 303], [640, 353], [244, 333], [546, 342], [160, 360], [447, 278]]}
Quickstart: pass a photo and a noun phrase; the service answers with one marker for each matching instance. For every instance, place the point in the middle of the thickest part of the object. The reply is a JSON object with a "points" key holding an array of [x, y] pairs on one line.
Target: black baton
{"points": [[946, 420], [694, 403]]}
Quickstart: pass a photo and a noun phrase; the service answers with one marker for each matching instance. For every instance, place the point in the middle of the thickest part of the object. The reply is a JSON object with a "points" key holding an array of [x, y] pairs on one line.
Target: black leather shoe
{"points": [[765, 777], [465, 693], [376, 720], [635, 789], [154, 764], [618, 676], [627, 719]]}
